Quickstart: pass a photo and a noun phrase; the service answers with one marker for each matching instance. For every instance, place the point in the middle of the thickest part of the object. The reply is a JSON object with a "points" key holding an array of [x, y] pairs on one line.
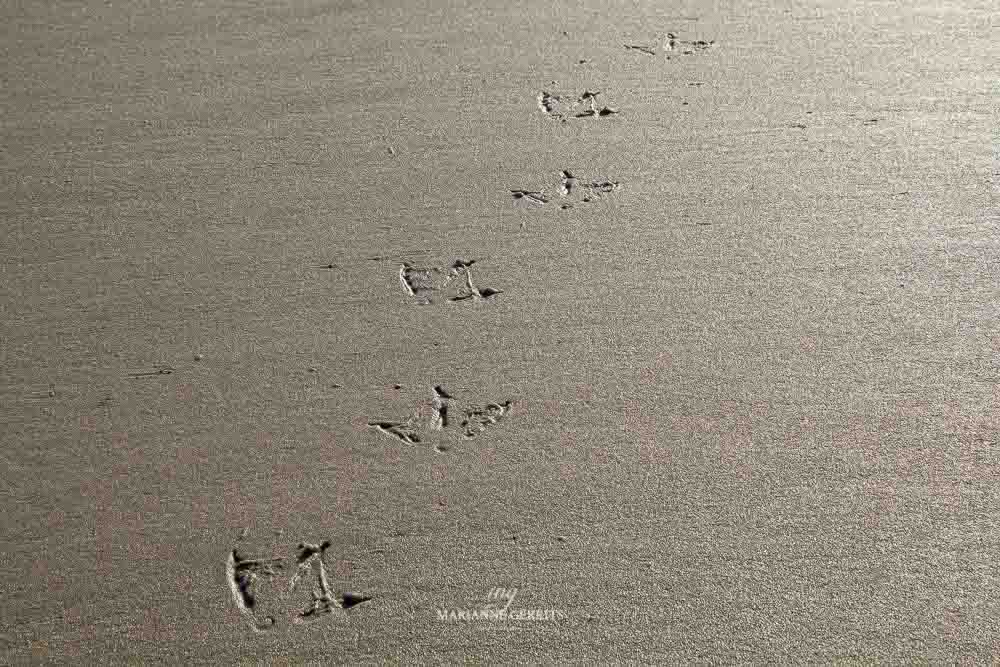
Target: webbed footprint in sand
{"points": [[308, 597], [573, 189], [434, 417], [559, 107], [454, 282], [671, 45]]}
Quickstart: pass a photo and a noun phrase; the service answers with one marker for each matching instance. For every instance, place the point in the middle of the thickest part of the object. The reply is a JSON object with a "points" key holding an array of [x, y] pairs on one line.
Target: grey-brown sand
{"points": [[332, 329]]}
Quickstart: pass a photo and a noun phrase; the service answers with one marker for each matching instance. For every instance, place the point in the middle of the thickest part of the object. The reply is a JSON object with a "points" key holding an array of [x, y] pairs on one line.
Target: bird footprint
{"points": [[558, 107], [411, 430], [424, 283]]}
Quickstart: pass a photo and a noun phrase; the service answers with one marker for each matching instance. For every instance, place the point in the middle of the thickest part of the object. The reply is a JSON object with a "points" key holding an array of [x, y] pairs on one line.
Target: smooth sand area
{"points": [[325, 324]]}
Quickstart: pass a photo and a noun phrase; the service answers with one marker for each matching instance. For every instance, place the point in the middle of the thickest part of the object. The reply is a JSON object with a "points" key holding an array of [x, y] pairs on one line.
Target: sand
{"points": [[327, 326]]}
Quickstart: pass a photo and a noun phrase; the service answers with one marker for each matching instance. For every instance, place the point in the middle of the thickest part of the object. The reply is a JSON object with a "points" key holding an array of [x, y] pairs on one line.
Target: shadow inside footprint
{"points": [[400, 430], [349, 600]]}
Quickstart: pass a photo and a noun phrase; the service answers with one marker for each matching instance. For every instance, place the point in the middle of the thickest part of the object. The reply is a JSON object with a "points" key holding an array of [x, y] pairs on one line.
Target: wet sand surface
{"points": [[325, 326]]}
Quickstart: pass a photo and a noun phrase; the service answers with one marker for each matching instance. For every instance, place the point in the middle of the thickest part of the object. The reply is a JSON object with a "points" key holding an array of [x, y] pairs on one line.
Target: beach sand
{"points": [[711, 376]]}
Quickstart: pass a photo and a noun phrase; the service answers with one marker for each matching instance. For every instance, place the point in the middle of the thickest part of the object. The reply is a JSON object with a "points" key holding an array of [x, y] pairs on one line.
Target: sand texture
{"points": [[667, 328]]}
